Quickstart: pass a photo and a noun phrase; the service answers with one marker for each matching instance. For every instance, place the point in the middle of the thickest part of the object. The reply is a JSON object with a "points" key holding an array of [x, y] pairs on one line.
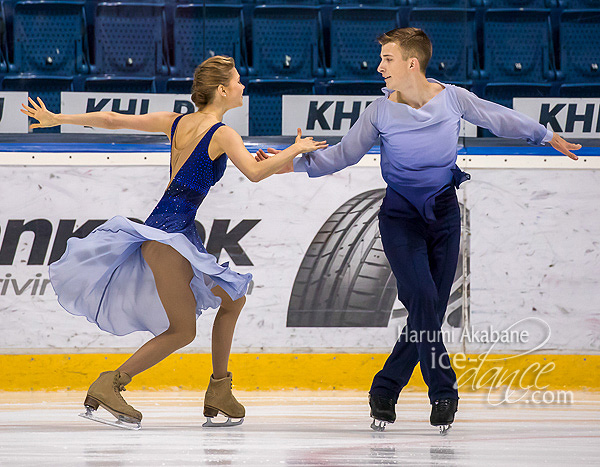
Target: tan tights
{"points": [[172, 274]]}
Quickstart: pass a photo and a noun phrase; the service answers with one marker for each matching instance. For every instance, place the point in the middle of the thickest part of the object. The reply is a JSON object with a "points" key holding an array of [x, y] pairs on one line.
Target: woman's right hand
{"points": [[40, 113], [263, 156], [308, 144]]}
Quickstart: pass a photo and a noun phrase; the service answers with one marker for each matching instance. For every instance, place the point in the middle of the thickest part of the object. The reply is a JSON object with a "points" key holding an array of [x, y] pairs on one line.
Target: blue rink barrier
{"points": [[253, 147]]}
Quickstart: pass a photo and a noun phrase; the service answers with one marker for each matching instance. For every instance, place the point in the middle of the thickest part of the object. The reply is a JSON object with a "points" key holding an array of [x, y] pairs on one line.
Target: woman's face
{"points": [[234, 90]]}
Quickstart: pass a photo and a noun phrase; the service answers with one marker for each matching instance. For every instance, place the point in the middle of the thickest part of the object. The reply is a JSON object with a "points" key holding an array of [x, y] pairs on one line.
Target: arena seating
{"points": [[452, 34], [497, 48], [354, 48]]}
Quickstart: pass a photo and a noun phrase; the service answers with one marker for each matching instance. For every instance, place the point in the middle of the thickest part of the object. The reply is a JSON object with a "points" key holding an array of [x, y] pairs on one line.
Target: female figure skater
{"points": [[418, 121], [158, 276]]}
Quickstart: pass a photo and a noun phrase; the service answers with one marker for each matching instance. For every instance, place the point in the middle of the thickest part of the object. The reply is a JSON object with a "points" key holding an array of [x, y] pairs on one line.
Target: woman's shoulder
{"points": [[224, 131], [224, 136]]}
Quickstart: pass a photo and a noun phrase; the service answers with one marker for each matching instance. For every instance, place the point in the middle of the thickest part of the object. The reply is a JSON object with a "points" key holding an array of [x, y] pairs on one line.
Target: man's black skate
{"points": [[383, 411], [442, 414]]}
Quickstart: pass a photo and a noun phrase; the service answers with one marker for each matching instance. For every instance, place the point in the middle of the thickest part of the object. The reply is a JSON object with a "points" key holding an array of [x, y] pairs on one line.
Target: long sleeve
{"points": [[354, 145], [500, 120]]}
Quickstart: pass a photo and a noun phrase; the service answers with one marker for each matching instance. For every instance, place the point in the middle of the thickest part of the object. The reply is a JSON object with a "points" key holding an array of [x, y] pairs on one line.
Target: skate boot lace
{"points": [[118, 388]]}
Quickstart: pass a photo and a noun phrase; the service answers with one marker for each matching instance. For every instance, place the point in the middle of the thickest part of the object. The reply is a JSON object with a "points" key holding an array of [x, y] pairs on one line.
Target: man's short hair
{"points": [[413, 42]]}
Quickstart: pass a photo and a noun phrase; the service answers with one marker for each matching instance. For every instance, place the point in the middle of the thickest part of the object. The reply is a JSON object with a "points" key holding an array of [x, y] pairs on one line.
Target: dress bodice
{"points": [[176, 210]]}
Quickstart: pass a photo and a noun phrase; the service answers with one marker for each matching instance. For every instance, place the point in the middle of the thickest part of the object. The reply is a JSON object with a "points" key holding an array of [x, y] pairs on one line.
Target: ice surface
{"points": [[297, 428]]}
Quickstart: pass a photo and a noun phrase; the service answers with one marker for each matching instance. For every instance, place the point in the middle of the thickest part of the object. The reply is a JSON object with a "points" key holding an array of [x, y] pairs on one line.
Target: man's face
{"points": [[393, 68]]}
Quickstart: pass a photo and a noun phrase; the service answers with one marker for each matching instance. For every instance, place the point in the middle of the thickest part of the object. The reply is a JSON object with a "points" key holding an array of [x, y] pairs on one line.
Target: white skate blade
{"points": [[229, 422], [444, 429], [378, 425], [119, 423]]}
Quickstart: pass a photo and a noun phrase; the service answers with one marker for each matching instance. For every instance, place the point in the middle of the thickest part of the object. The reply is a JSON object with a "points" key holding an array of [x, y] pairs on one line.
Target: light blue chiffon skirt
{"points": [[105, 278]]}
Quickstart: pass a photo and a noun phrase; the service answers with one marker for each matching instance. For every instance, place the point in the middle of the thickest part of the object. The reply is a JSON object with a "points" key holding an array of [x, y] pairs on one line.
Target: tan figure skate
{"points": [[106, 392], [220, 399]]}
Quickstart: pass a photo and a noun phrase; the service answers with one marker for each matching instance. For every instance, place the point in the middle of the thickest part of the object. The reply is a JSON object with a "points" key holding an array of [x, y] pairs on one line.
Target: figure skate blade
{"points": [[119, 423]]}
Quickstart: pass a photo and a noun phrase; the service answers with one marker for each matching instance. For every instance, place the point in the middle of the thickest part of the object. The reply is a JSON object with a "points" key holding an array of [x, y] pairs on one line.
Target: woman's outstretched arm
{"points": [[155, 122], [230, 142]]}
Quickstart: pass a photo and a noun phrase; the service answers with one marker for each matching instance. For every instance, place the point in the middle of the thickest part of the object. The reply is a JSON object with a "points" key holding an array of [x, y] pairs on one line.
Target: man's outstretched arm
{"points": [[354, 145], [508, 123]]}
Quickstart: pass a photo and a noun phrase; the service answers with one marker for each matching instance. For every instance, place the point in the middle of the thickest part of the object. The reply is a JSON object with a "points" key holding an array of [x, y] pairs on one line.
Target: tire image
{"points": [[345, 279]]}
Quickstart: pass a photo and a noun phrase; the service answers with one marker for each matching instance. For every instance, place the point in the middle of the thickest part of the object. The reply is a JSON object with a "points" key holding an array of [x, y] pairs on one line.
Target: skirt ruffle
{"points": [[105, 278]]}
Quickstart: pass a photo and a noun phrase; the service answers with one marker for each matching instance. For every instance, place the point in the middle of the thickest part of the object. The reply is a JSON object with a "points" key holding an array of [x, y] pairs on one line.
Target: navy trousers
{"points": [[423, 257]]}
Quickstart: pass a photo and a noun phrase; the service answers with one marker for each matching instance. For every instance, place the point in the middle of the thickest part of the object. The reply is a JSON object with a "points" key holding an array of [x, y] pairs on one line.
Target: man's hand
{"points": [[563, 146], [308, 144], [262, 156]]}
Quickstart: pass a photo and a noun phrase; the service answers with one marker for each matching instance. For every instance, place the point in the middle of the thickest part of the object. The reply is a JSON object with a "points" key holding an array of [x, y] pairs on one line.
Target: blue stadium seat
{"points": [[222, 29], [180, 86], [580, 4], [445, 3], [517, 46], [47, 89], [520, 3], [130, 42], [212, 2], [49, 38], [289, 2], [265, 102], [354, 88], [119, 84], [504, 93], [3, 49], [580, 46], [375, 3], [49, 49], [580, 90], [452, 34], [287, 42], [354, 47]]}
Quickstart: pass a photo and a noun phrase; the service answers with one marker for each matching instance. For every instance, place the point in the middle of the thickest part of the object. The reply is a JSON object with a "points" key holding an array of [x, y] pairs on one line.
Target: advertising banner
{"points": [[569, 117], [12, 120], [321, 282]]}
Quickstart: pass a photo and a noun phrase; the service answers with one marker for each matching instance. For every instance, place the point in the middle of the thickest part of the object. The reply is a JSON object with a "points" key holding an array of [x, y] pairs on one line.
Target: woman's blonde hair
{"points": [[208, 76]]}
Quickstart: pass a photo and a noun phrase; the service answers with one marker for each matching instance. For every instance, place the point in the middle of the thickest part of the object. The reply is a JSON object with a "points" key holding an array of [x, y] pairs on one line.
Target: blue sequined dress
{"points": [[104, 276]]}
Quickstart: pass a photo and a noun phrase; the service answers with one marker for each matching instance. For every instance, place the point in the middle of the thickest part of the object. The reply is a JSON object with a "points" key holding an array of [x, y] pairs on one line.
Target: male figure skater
{"points": [[418, 121]]}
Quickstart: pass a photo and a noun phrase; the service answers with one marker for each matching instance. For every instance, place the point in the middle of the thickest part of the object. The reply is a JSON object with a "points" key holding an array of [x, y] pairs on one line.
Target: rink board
{"points": [[266, 371], [533, 256]]}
